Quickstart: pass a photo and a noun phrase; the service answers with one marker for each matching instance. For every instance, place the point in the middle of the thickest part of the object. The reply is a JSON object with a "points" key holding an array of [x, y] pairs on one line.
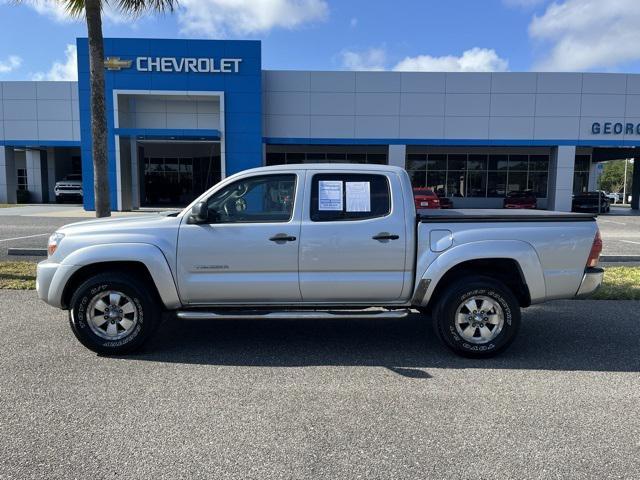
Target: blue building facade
{"points": [[231, 71]]}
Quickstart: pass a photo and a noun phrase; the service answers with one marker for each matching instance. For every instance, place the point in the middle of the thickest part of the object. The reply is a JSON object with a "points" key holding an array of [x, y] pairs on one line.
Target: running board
{"points": [[289, 314]]}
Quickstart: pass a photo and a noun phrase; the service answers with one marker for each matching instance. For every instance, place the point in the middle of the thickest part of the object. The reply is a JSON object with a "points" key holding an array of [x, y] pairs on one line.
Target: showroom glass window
{"points": [[581, 173], [292, 154], [469, 174]]}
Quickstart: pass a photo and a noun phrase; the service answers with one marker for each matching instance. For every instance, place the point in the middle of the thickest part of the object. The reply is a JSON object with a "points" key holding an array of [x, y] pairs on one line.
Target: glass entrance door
{"points": [[173, 174]]}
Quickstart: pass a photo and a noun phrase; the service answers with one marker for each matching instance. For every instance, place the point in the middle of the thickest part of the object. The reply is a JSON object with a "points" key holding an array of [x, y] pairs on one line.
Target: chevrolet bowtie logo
{"points": [[114, 63]]}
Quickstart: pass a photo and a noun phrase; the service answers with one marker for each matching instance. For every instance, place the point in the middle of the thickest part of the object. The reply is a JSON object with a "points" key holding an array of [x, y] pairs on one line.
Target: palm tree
{"points": [[91, 10]]}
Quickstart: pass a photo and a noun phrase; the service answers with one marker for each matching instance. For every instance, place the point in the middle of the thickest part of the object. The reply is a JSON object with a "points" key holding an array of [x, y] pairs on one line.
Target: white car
{"points": [[614, 197], [70, 187]]}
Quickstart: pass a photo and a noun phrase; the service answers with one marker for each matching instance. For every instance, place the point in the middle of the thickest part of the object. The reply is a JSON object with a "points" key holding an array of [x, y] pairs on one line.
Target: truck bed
{"points": [[500, 215]]}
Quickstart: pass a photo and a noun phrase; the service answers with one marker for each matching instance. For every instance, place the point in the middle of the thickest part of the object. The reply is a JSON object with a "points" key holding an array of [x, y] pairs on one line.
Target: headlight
{"points": [[54, 241]]}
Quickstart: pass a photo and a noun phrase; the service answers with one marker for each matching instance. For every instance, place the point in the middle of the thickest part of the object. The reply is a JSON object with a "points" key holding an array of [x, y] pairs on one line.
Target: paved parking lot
{"points": [[620, 232], [318, 399], [30, 226]]}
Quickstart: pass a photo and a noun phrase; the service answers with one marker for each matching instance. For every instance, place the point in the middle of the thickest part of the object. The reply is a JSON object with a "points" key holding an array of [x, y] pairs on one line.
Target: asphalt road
{"points": [[322, 399]]}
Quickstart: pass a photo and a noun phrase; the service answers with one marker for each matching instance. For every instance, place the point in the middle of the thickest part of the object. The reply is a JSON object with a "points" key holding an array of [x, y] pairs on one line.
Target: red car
{"points": [[521, 199], [445, 202], [425, 198]]}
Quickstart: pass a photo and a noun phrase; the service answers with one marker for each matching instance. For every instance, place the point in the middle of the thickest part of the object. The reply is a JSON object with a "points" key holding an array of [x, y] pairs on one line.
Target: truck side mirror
{"points": [[199, 213]]}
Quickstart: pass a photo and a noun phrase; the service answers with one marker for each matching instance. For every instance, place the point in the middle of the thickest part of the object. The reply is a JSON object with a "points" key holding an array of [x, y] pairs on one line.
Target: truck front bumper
{"points": [[591, 281], [51, 279]]}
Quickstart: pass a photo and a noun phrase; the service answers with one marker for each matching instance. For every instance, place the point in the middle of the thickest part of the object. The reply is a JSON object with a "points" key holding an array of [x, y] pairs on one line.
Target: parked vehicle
{"points": [[596, 202], [520, 199], [318, 241], [445, 202], [613, 197], [70, 187], [425, 198]]}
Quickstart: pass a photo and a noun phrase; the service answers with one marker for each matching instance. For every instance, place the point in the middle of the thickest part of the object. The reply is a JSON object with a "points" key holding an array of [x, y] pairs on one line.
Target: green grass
{"points": [[8, 205], [620, 283], [17, 275]]}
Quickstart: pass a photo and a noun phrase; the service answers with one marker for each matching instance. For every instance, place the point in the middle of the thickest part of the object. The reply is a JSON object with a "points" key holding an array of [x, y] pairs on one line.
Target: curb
{"points": [[28, 252], [620, 258]]}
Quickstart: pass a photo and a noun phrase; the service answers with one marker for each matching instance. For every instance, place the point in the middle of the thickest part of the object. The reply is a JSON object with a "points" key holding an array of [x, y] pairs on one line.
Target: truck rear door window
{"points": [[349, 196]]}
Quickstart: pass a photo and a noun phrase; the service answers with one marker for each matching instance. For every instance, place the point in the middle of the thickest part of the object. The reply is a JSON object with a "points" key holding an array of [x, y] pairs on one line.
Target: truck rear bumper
{"points": [[591, 282]]}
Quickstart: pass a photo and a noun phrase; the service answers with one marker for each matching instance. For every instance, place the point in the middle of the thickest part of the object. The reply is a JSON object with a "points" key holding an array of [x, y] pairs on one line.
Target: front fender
{"points": [[522, 252], [147, 254]]}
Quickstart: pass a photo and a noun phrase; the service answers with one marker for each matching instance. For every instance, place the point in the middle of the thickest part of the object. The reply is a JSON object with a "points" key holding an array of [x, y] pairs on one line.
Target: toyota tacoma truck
{"points": [[318, 241]]}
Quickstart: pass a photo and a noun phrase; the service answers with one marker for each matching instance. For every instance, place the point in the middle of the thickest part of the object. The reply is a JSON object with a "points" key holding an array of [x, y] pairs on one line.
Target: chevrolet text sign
{"points": [[188, 65]]}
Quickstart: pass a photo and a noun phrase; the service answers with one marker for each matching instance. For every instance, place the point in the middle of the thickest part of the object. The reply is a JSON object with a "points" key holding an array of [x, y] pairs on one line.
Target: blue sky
{"points": [[451, 35]]}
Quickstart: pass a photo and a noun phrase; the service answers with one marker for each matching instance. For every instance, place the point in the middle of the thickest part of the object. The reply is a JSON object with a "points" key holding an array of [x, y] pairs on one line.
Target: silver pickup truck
{"points": [[318, 241]]}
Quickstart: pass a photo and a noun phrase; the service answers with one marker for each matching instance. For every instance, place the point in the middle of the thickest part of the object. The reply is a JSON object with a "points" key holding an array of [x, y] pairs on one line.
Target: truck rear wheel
{"points": [[112, 314], [477, 317]]}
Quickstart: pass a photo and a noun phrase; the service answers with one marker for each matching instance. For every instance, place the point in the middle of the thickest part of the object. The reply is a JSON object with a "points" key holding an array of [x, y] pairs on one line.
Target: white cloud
{"points": [[67, 70], [49, 8], [372, 59], [55, 9], [224, 18], [588, 34], [10, 64], [473, 60]]}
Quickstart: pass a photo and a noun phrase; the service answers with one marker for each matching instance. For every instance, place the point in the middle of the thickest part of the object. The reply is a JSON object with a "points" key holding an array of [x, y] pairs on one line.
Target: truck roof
{"points": [[328, 166]]}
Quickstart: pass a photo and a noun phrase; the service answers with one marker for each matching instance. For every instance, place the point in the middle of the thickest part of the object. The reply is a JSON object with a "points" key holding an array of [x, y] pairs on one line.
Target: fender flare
{"points": [[147, 254], [521, 252]]}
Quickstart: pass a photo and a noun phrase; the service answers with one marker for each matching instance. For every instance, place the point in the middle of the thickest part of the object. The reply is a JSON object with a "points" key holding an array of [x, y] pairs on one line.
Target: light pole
{"points": [[624, 185]]}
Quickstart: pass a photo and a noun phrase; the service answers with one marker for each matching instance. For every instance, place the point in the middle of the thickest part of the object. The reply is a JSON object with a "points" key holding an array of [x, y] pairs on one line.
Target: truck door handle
{"points": [[385, 236], [282, 237]]}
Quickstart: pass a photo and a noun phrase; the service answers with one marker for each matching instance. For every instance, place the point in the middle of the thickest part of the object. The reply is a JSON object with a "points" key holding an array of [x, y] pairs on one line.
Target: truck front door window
{"points": [[265, 199]]}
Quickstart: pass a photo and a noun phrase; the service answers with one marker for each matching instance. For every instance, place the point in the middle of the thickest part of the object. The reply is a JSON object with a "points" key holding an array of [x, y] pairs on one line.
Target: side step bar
{"points": [[290, 314]]}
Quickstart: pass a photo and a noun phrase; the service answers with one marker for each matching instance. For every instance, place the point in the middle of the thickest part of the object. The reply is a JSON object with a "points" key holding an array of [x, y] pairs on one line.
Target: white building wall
{"points": [[397, 155], [168, 111], [7, 175], [448, 106], [35, 175], [561, 178], [39, 111]]}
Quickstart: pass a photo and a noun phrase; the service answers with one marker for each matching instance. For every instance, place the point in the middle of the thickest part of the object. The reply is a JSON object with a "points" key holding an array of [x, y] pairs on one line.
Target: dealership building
{"points": [[182, 114]]}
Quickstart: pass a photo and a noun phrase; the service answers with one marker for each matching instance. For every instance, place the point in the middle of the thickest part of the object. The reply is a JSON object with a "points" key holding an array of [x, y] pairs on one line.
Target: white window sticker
{"points": [[330, 195], [358, 196]]}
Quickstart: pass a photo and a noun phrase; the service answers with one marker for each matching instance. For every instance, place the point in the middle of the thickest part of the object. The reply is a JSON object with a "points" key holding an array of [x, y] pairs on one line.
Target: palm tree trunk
{"points": [[98, 112]]}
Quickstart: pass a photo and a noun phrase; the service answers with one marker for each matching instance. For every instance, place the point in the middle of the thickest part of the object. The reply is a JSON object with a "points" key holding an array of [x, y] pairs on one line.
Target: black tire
{"points": [[145, 320], [58, 199], [456, 295]]}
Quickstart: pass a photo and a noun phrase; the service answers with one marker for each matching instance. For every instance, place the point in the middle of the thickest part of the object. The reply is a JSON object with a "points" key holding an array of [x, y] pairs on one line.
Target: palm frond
{"points": [[136, 8]]}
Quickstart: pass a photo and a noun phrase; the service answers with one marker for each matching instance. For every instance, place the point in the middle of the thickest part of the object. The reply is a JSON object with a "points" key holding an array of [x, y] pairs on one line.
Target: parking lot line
{"points": [[613, 221], [21, 238]]}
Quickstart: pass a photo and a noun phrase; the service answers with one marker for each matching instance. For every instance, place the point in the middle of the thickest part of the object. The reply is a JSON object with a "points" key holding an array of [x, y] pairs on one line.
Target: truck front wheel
{"points": [[113, 314], [477, 317]]}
